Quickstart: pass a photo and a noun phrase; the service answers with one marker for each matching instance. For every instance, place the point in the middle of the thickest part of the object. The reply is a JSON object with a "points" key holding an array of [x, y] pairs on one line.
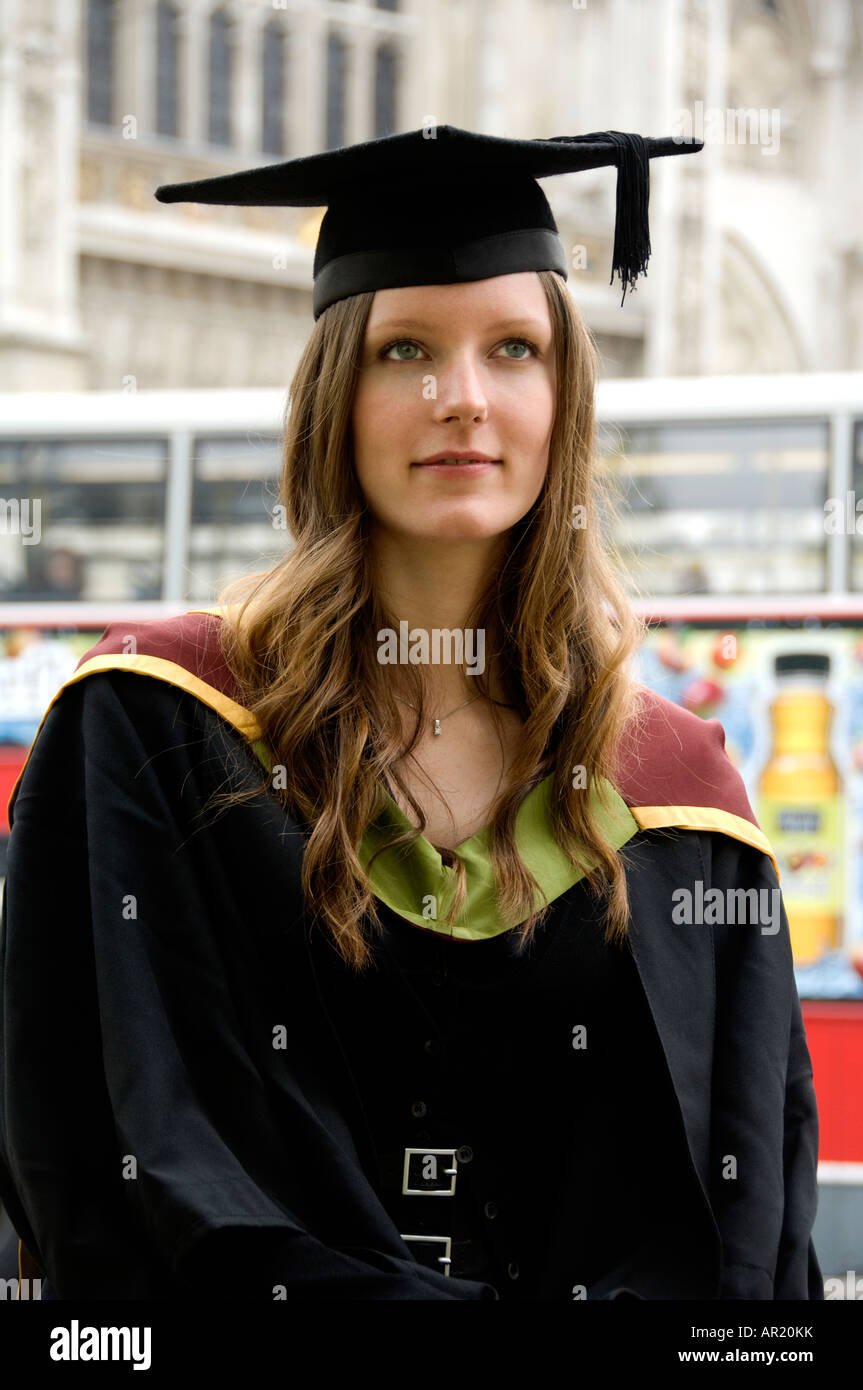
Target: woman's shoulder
{"points": [[163, 647], [182, 650], [673, 771], [114, 681], [668, 755]]}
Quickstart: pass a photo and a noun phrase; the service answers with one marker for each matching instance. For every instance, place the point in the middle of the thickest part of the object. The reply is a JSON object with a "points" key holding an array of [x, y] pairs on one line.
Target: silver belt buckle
{"points": [[446, 1241], [411, 1163]]}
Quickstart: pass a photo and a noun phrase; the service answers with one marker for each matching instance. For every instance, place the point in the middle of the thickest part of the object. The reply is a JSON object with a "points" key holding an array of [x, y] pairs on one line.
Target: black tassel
{"points": [[631, 226]]}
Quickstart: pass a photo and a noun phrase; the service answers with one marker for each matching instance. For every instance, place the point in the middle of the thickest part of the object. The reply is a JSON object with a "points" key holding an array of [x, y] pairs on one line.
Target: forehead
{"points": [[493, 302]]}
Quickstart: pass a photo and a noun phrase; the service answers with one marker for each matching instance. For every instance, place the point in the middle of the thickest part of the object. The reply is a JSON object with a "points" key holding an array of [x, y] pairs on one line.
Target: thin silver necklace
{"points": [[438, 722]]}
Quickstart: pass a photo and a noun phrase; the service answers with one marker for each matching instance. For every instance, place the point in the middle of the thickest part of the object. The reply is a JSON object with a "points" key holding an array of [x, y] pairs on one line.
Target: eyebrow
{"points": [[518, 321]]}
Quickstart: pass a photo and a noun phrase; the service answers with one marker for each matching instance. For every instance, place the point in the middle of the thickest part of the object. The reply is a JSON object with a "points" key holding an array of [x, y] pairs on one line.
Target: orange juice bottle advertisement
{"points": [[789, 696], [801, 803]]}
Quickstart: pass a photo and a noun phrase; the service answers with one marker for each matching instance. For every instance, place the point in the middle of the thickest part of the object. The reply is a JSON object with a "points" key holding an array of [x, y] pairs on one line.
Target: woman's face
{"points": [[448, 369]]}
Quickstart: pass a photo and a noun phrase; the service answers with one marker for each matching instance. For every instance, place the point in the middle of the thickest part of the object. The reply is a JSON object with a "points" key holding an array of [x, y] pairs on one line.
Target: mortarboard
{"points": [[442, 205]]}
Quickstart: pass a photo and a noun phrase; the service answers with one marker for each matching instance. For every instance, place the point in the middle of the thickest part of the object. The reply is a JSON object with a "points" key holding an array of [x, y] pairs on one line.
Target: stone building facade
{"points": [[758, 260]]}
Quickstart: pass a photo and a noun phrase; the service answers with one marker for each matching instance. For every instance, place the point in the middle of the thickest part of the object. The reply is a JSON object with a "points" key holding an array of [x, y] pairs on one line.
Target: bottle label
{"points": [[805, 838]]}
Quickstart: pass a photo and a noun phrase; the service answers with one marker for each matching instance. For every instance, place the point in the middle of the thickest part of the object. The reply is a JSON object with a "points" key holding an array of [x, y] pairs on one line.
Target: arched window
{"points": [[167, 69], [386, 78], [273, 63], [101, 19], [221, 55], [337, 67]]}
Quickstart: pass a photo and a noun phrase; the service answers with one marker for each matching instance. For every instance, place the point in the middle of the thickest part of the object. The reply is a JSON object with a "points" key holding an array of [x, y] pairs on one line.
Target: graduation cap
{"points": [[441, 205]]}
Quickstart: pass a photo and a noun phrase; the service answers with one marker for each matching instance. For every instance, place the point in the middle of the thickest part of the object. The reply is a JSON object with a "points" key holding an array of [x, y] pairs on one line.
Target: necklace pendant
{"points": [[437, 726]]}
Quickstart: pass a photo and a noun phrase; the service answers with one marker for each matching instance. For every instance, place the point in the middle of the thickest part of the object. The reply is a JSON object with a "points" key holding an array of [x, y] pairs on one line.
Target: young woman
{"points": [[331, 975]]}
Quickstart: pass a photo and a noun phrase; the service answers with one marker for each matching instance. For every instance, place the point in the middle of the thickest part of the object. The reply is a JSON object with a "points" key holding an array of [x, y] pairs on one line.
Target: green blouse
{"points": [[413, 880]]}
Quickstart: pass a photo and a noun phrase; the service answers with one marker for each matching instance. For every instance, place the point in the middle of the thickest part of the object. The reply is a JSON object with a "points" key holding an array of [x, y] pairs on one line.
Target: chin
{"points": [[464, 531], [451, 526], [469, 522]]}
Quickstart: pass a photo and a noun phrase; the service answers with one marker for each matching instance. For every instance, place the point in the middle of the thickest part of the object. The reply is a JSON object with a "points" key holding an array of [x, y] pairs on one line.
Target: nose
{"points": [[458, 390]]}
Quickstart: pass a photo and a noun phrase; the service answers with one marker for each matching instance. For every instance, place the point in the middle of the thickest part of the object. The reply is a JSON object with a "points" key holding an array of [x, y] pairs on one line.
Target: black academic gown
{"points": [[187, 1108]]}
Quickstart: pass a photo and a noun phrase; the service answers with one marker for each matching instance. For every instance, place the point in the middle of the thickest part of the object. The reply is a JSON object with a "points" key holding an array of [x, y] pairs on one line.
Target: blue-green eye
{"points": [[520, 342], [400, 342]]}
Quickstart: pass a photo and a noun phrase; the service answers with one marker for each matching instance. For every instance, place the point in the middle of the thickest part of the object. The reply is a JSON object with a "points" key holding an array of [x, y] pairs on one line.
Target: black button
{"points": [[437, 978], [423, 1135], [491, 1210], [512, 1269], [464, 1154], [432, 1047], [418, 1108]]}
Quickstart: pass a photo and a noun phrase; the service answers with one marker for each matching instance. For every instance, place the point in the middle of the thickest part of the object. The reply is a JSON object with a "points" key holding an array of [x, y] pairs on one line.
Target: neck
{"points": [[435, 585]]}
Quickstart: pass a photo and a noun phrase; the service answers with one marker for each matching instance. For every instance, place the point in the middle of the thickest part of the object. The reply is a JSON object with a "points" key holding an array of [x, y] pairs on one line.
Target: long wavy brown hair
{"points": [[299, 639]]}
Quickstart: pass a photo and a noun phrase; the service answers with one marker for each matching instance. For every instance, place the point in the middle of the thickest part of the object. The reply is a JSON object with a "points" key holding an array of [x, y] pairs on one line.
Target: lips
{"points": [[458, 456]]}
